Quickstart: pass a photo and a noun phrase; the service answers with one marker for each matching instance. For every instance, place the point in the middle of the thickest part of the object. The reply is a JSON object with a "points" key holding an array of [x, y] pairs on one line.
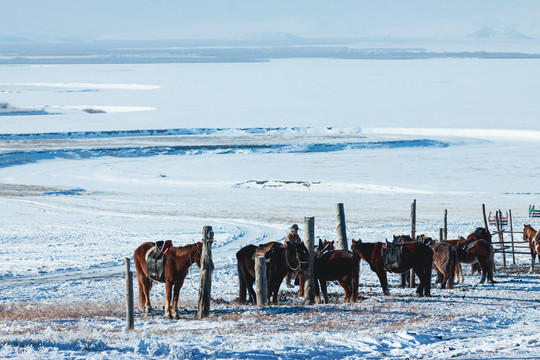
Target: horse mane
{"points": [[187, 249]]}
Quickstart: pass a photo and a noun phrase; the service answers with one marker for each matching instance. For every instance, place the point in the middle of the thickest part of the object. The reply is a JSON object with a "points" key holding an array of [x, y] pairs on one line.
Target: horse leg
{"points": [[252, 294], [354, 283], [427, 276], [424, 276], [301, 283], [273, 290], [317, 291], [345, 284], [533, 258], [451, 271], [440, 276], [405, 279], [459, 273], [168, 291], [242, 292], [324, 291], [176, 294], [383, 279], [484, 265], [145, 284], [442, 273], [421, 284]]}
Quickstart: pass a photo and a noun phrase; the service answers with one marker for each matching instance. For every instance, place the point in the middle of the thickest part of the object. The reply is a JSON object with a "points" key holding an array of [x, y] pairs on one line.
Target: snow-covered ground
{"points": [[250, 149]]}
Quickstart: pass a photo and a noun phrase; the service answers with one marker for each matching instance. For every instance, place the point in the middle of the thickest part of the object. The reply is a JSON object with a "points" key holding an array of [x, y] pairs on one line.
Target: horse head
{"points": [[196, 253], [355, 244], [528, 232], [480, 233], [320, 247], [296, 256], [328, 245]]}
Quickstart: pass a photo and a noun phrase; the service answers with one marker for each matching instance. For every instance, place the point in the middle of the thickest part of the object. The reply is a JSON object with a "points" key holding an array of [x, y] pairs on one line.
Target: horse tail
{"points": [[452, 262], [429, 268], [141, 276], [355, 277], [242, 293], [492, 265]]}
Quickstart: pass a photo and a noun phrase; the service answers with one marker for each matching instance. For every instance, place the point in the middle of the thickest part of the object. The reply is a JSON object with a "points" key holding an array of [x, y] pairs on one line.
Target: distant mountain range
{"points": [[497, 34], [267, 38]]}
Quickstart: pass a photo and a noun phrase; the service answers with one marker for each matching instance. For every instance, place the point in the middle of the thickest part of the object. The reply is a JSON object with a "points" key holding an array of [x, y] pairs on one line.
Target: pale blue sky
{"points": [[151, 19]]}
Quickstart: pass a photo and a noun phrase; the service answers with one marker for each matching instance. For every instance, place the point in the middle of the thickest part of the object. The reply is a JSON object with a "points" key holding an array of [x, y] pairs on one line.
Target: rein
{"points": [[297, 259]]}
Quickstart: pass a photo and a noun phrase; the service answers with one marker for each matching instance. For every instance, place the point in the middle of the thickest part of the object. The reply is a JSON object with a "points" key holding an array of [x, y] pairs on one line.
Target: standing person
{"points": [[292, 238]]}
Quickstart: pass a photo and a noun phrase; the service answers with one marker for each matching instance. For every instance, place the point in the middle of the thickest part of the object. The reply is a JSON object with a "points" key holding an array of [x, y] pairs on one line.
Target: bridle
{"points": [[297, 259]]}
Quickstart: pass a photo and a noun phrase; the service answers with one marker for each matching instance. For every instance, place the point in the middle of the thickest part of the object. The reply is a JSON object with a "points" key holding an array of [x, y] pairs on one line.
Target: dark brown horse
{"points": [[284, 258], [533, 236], [475, 251], [179, 260], [336, 265], [414, 255], [444, 261], [479, 233]]}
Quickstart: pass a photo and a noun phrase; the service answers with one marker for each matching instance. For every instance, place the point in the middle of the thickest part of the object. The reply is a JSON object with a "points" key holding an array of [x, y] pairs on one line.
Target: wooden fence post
{"points": [[441, 236], [130, 317], [341, 227], [485, 218], [512, 237], [412, 282], [260, 280], [309, 286], [207, 266], [445, 225], [498, 220]]}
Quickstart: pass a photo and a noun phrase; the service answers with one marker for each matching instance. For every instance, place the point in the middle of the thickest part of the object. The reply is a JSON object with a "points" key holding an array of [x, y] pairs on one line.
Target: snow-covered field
{"points": [[250, 149]]}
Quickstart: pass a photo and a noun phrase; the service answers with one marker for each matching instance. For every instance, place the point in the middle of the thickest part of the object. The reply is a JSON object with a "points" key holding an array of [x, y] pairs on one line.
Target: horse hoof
{"points": [[148, 310]]}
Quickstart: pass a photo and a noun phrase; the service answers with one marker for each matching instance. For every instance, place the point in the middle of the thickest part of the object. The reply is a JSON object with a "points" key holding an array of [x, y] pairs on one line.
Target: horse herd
{"points": [[399, 256]]}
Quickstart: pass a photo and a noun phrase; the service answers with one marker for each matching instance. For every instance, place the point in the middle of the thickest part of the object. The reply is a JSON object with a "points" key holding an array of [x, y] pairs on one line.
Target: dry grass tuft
{"points": [[40, 311]]}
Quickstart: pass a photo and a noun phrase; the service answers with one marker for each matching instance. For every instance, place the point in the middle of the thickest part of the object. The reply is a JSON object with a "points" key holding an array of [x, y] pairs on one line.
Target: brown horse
{"points": [[179, 259], [339, 265], [533, 236], [285, 258], [475, 251], [414, 255], [444, 261], [479, 233]]}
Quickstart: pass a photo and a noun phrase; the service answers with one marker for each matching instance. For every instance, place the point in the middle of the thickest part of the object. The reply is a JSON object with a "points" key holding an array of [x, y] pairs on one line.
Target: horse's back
{"points": [[139, 255], [337, 264]]}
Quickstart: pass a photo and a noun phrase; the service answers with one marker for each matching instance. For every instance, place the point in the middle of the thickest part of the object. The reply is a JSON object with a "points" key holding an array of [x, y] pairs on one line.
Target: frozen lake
{"points": [[251, 148]]}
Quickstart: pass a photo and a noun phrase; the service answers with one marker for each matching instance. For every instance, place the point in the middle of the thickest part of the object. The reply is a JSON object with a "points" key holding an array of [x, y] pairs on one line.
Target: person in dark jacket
{"points": [[293, 238]]}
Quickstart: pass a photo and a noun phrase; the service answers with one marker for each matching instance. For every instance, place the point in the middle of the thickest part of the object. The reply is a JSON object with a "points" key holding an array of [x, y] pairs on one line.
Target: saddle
{"points": [[467, 245], [323, 252], [391, 254], [155, 260], [266, 250]]}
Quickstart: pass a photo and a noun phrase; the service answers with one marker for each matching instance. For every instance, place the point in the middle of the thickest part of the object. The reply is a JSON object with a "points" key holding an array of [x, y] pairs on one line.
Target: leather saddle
{"points": [[155, 260], [391, 254]]}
